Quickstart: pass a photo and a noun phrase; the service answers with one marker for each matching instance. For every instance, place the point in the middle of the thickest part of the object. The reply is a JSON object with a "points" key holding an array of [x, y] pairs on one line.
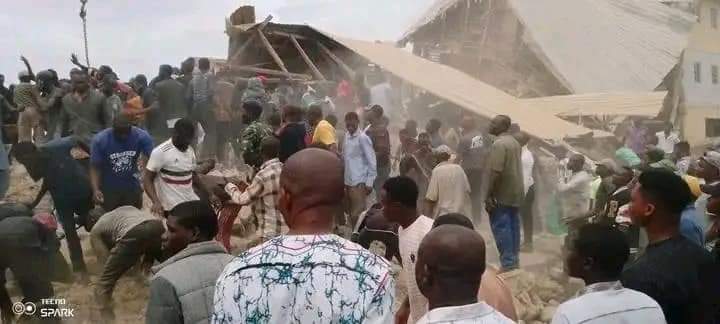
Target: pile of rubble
{"points": [[537, 295]]}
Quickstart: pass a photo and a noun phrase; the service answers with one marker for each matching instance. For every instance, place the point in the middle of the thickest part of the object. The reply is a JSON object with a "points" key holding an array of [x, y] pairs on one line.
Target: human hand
{"points": [[99, 197], [368, 189], [490, 205], [74, 59], [158, 209], [24, 59], [402, 315]]}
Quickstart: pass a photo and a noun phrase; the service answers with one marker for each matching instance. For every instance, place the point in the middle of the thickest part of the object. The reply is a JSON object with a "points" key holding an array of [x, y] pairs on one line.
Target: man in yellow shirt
{"points": [[323, 131]]}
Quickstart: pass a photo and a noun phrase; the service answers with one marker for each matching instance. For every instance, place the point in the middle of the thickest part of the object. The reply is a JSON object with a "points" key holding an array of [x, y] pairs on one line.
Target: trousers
{"points": [[357, 201], [505, 226]]}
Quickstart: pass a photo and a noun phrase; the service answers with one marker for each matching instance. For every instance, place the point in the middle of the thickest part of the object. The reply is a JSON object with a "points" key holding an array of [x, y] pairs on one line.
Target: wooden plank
{"points": [[272, 52], [234, 59], [315, 70], [348, 70], [280, 33], [252, 69]]}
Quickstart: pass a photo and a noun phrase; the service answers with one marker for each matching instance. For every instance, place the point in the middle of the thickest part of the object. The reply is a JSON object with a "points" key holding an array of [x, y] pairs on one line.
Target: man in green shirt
{"points": [[504, 191]]}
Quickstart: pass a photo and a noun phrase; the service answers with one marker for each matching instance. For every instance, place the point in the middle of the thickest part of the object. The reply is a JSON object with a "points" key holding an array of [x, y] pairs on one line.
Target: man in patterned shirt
{"points": [[253, 134], [308, 275], [264, 191]]}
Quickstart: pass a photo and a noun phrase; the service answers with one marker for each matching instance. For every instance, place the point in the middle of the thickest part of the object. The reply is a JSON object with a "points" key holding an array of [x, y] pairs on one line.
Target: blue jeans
{"points": [[505, 225]]}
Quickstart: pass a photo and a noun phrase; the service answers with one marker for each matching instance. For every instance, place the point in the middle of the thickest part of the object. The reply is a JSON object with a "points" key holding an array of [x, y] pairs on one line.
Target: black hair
{"points": [[683, 146], [403, 190], [332, 119], [274, 119], [453, 219], [315, 111], [377, 109], [253, 108], [435, 122], [23, 149], [184, 127], [665, 189], [292, 113], [270, 147], [204, 63], [197, 214], [105, 69], [606, 245], [352, 116]]}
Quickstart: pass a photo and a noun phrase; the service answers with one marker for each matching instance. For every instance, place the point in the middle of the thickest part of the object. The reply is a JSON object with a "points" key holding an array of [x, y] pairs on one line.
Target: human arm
{"points": [[98, 244], [96, 160], [403, 313], [28, 67], [495, 165], [155, 163], [369, 156], [74, 60], [244, 197], [432, 195], [163, 303]]}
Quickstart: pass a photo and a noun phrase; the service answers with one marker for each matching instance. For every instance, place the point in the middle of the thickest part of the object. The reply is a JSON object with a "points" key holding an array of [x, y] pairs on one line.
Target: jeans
{"points": [[66, 209], [505, 225]]}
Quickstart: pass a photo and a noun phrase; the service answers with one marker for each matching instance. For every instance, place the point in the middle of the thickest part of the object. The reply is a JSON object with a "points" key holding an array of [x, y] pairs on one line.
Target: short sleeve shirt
{"points": [[410, 239], [324, 133], [472, 150], [117, 160], [174, 170], [505, 158], [450, 189]]}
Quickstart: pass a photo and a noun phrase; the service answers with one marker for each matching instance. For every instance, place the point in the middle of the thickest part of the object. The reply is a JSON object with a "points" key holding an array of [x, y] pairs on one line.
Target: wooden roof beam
{"points": [[348, 70], [306, 58], [272, 51], [251, 69]]}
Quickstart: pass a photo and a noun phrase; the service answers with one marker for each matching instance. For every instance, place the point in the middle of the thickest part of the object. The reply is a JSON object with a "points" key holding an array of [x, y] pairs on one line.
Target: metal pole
{"points": [[83, 16]]}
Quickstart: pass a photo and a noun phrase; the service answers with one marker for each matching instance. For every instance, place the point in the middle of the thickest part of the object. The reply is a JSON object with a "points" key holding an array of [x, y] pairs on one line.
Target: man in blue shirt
{"points": [[114, 171], [360, 166], [59, 163]]}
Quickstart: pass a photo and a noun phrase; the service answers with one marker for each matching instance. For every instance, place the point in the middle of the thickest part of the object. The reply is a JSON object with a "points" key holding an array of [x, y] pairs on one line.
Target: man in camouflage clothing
{"points": [[253, 134]]}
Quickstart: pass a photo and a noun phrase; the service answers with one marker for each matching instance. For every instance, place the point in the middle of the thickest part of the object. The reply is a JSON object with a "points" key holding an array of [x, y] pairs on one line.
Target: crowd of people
{"points": [[641, 226]]}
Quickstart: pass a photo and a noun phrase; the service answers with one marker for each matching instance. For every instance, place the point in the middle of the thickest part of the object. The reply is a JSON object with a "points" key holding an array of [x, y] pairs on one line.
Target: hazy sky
{"points": [[135, 36]]}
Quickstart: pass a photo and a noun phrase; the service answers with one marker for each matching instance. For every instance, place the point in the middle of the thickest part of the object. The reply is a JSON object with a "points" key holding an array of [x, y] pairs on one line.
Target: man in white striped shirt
{"points": [[170, 171]]}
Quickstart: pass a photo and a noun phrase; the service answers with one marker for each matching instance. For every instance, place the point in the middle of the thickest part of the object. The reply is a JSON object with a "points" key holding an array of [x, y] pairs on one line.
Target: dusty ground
{"points": [[537, 289]]}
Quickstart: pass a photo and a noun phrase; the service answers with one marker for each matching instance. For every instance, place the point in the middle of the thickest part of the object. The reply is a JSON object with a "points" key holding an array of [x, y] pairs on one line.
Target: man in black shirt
{"points": [[681, 276], [292, 134]]}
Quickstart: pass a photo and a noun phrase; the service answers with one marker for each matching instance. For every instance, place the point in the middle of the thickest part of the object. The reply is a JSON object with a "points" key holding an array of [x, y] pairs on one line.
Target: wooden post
{"points": [[272, 52], [349, 71], [305, 57]]}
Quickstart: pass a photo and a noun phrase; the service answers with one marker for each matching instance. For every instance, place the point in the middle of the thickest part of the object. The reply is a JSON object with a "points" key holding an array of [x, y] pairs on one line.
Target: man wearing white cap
{"points": [[449, 188]]}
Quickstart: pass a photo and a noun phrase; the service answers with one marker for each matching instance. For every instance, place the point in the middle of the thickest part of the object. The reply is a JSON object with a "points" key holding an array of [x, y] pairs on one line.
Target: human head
{"points": [[292, 114], [450, 264], [183, 133], [140, 82], [658, 199], [80, 82], [623, 177], [24, 76], [121, 127], [606, 168], [332, 119], [274, 120], [28, 155], [681, 150], [269, 148], [654, 154], [424, 140], [351, 122], [375, 113], [576, 162], [102, 71], [442, 153], [411, 126], [204, 64], [46, 221], [188, 65], [453, 219], [398, 197], [311, 190], [597, 254], [500, 124], [165, 72], [709, 166], [252, 110], [2, 79], [314, 114], [522, 138], [189, 222], [468, 123], [108, 84], [433, 126]]}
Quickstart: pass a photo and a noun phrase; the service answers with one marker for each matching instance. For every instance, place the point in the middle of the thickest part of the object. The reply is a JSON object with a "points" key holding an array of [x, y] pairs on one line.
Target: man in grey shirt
{"points": [[84, 111], [120, 238]]}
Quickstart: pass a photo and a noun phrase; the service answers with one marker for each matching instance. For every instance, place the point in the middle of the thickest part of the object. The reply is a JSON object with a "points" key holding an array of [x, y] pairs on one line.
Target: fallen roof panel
{"points": [[465, 91], [640, 104]]}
